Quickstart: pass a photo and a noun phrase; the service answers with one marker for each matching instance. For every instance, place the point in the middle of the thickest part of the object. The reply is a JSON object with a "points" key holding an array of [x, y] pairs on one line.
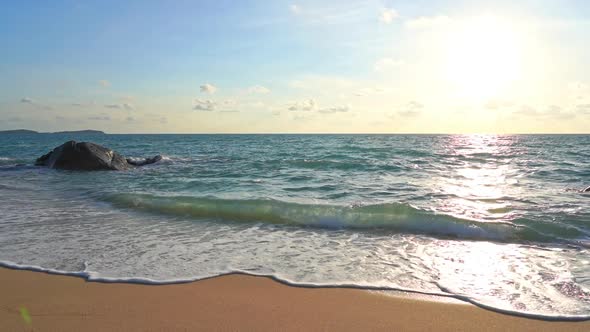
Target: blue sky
{"points": [[307, 66]]}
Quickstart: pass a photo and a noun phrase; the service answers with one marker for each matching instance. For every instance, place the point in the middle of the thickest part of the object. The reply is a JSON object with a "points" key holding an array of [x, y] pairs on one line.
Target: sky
{"points": [[296, 67]]}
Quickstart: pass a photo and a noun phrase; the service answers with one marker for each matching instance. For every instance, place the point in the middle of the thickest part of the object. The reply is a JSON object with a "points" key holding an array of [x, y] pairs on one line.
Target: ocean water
{"points": [[498, 221]]}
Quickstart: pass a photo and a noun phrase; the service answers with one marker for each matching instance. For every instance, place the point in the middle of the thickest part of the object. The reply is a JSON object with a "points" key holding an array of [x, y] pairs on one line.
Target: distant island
{"points": [[32, 132]]}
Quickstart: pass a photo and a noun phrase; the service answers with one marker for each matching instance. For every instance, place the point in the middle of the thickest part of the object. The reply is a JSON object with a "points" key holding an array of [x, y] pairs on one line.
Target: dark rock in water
{"points": [[83, 156], [146, 161], [86, 156]]}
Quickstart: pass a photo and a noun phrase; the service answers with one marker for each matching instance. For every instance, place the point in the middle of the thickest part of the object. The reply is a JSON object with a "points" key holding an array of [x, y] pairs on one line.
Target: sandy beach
{"points": [[232, 303]]}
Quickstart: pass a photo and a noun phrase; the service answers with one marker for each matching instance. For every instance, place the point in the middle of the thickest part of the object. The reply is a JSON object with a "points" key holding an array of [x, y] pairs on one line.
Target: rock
{"points": [[86, 156]]}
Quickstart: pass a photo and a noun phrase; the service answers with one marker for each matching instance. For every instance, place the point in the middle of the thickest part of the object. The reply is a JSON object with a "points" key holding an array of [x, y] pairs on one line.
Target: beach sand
{"points": [[233, 303]]}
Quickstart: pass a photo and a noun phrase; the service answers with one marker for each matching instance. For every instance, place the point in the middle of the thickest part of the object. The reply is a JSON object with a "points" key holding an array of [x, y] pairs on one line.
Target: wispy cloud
{"points": [[583, 108], [388, 15], [125, 106], [295, 9], [427, 22], [208, 88], [30, 101], [579, 92], [204, 105], [411, 109], [127, 99], [311, 105], [363, 92], [258, 89], [88, 104], [385, 64], [549, 112], [337, 109], [104, 83], [208, 105], [557, 112], [305, 105], [526, 110], [495, 104], [102, 117]]}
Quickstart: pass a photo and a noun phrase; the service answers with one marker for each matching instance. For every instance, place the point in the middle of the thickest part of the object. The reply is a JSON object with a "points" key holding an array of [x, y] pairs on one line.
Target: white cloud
{"points": [[578, 87], [526, 110], [208, 88], [255, 104], [204, 105], [126, 105], [228, 105], [583, 108], [306, 105], [102, 117], [385, 64], [556, 112], [427, 22], [295, 9], [411, 109], [550, 112], [495, 104], [104, 83], [88, 104], [311, 105], [337, 109], [388, 15], [126, 99], [579, 92], [258, 89], [371, 91], [30, 101]]}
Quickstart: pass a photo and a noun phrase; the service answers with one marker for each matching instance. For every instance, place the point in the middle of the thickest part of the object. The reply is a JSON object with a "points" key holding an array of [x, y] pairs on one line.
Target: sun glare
{"points": [[483, 57]]}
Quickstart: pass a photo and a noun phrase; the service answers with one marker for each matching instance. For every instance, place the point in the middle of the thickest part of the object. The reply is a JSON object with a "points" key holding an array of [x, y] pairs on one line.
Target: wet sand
{"points": [[233, 303]]}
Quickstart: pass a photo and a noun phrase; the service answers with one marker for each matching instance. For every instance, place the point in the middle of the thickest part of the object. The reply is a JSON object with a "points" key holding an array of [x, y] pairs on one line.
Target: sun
{"points": [[484, 57]]}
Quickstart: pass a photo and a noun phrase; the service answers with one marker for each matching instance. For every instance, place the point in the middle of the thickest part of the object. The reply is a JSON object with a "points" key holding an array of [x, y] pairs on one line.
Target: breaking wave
{"points": [[394, 217]]}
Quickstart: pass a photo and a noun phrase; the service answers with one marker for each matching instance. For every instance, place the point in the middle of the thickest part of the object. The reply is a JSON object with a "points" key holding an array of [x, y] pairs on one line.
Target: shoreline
{"points": [[234, 302]]}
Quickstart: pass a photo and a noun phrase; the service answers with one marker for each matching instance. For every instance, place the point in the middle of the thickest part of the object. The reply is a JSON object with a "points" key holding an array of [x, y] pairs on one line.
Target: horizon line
{"points": [[296, 133]]}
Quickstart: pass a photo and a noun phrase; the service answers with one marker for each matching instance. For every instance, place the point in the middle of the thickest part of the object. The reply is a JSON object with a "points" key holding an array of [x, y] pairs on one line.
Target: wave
{"points": [[97, 277], [7, 161], [394, 217]]}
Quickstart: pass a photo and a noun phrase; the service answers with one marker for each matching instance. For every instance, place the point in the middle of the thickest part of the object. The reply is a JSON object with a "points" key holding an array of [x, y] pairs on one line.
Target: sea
{"points": [[499, 221]]}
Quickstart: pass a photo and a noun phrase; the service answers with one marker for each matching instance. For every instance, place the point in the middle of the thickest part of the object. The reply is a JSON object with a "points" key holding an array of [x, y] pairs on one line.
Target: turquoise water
{"points": [[496, 220]]}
